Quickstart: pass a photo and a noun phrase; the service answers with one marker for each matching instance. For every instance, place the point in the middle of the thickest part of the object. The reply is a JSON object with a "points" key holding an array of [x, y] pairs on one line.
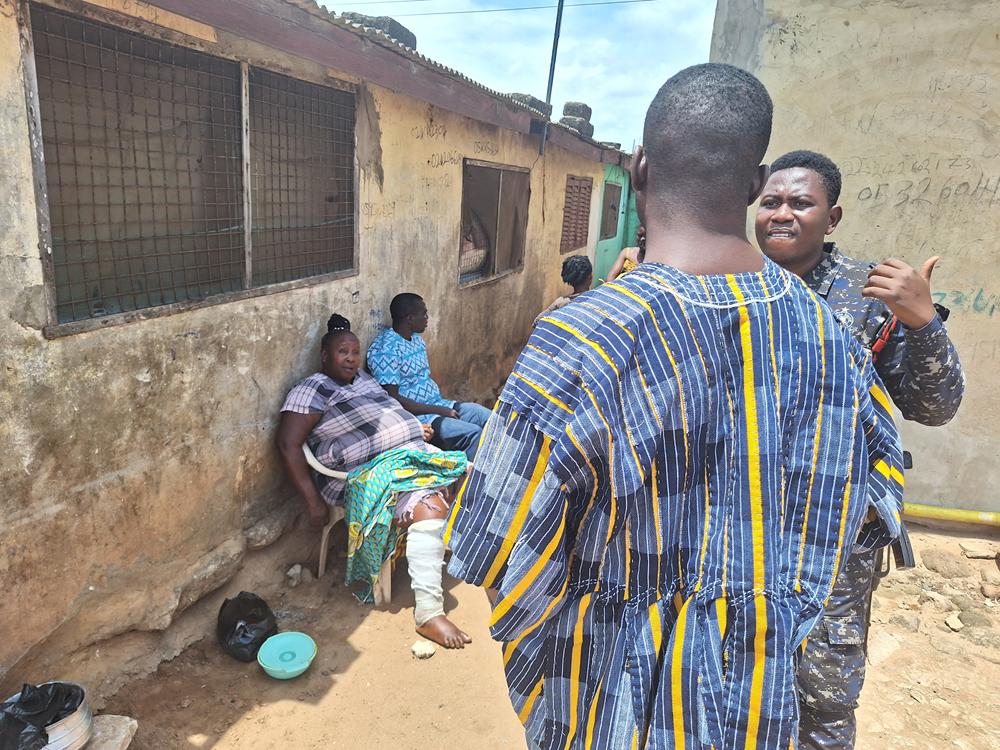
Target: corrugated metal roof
{"points": [[384, 40], [381, 38]]}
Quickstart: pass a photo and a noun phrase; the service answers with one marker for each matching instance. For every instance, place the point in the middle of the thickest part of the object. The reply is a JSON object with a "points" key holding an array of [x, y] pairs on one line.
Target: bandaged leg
{"points": [[425, 559]]}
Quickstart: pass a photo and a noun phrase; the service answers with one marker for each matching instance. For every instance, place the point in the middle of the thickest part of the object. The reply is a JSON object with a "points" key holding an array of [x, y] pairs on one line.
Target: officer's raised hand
{"points": [[905, 291]]}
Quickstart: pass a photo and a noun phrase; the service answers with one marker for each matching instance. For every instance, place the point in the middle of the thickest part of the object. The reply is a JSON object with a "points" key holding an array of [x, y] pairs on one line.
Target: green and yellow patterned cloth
{"points": [[371, 499]]}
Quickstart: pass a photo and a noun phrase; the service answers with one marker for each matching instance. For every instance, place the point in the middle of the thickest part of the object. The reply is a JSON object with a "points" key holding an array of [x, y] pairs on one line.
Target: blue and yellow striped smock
{"points": [[663, 496]]}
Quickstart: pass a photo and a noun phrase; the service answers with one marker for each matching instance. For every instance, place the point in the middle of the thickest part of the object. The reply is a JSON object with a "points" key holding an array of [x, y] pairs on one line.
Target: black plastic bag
{"points": [[16, 734], [245, 622], [23, 721]]}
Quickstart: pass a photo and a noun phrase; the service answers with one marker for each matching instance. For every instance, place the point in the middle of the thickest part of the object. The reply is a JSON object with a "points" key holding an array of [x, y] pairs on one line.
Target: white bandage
{"points": [[425, 558]]}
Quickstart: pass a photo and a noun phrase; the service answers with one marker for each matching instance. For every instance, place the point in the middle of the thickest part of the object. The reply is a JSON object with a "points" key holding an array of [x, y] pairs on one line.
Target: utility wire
{"points": [[507, 10]]}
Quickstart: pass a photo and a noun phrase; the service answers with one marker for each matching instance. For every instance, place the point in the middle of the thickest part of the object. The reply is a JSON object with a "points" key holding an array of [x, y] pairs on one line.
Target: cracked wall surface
{"points": [[902, 95]]}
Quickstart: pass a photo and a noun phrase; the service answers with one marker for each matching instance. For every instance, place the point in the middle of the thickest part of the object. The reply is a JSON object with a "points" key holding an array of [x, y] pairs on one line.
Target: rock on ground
{"points": [[423, 649], [906, 620], [112, 733], [976, 619], [990, 591], [976, 550], [881, 647], [294, 576], [945, 563], [954, 622]]}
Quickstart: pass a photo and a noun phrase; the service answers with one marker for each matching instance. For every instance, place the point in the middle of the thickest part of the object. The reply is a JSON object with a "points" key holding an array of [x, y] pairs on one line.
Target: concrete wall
{"points": [[903, 96], [137, 461]]}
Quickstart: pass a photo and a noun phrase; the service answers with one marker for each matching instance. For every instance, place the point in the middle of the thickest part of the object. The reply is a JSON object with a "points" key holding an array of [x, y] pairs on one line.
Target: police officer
{"points": [[888, 308]]}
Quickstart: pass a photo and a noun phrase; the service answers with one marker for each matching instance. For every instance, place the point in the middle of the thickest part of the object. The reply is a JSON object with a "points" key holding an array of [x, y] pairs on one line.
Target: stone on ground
{"points": [[112, 732], [881, 647], [964, 602], [906, 620], [990, 575], [945, 563], [976, 619], [990, 591], [307, 575], [294, 576], [423, 649], [976, 550], [954, 622], [937, 601]]}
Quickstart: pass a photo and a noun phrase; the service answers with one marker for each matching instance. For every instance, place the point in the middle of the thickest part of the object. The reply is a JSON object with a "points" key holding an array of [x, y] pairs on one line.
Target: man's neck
{"points": [[702, 252], [698, 241], [404, 331]]}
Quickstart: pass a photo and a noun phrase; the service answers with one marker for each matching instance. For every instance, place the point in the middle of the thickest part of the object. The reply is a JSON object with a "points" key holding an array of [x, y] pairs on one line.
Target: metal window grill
{"points": [[143, 160], [302, 176], [576, 213]]}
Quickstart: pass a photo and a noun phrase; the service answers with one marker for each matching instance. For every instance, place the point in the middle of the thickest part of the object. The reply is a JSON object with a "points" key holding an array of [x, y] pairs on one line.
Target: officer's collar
{"points": [[821, 278]]}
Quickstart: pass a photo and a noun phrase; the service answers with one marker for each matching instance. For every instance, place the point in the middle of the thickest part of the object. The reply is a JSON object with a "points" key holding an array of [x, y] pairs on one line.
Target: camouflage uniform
{"points": [[924, 378]]}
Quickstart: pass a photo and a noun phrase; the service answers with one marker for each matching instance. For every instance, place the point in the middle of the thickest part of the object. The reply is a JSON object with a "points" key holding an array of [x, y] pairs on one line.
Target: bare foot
{"points": [[443, 632]]}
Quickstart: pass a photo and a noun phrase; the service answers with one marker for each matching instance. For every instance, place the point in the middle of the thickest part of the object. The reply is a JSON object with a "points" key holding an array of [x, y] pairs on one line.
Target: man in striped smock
{"points": [[677, 465]]}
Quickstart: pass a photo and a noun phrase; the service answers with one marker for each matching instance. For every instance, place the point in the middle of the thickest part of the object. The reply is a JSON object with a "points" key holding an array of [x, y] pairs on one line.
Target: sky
{"points": [[612, 57]]}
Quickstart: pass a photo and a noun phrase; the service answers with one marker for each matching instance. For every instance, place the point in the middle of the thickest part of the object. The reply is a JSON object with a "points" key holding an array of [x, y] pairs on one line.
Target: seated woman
{"points": [[630, 257], [348, 419]]}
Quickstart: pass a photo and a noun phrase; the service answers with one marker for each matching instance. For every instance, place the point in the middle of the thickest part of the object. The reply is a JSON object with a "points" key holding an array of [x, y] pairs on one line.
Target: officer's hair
{"points": [[576, 269], [829, 175]]}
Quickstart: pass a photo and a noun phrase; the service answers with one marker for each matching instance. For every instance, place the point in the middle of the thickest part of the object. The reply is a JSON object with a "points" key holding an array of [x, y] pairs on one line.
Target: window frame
{"points": [[54, 329], [564, 247], [496, 275], [601, 233]]}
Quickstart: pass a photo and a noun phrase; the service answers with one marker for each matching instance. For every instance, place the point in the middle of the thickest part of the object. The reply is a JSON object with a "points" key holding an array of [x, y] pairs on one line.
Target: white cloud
{"points": [[612, 57]]}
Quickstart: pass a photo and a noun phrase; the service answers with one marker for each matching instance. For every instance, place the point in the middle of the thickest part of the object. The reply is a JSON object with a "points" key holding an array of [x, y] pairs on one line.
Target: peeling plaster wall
{"points": [[137, 463], [902, 94]]}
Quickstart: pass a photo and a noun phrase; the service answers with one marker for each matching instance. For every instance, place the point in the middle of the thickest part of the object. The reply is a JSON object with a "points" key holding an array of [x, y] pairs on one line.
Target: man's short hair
{"points": [[822, 165], [404, 304], [576, 269], [706, 131]]}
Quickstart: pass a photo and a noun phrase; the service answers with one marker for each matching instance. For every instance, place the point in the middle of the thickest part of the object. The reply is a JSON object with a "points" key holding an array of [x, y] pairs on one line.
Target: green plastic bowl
{"points": [[286, 655]]}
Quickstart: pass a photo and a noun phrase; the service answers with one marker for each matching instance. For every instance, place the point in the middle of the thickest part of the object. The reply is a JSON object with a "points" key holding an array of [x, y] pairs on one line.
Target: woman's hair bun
{"points": [[338, 323]]}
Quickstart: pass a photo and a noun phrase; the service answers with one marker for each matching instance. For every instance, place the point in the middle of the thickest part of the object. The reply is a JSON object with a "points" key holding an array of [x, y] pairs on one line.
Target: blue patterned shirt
{"points": [[395, 361], [671, 478]]}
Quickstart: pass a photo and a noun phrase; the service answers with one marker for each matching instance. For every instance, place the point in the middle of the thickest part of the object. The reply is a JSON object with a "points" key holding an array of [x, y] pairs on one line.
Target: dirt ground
{"points": [[928, 685]]}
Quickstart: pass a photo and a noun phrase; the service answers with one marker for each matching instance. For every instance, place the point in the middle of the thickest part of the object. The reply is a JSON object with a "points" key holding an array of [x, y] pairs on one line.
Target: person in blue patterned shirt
{"points": [[677, 465], [888, 308], [398, 360]]}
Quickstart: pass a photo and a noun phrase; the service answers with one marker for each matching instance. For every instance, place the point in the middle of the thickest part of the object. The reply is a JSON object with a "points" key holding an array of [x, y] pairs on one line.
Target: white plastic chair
{"points": [[383, 585]]}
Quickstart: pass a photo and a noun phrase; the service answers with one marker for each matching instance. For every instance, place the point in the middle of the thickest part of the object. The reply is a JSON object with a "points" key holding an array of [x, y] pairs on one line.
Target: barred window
{"points": [[494, 220], [302, 167], [576, 213], [146, 166]]}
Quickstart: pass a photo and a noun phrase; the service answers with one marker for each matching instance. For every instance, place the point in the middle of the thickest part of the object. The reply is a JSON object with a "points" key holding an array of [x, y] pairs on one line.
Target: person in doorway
{"points": [[888, 308], [398, 360], [674, 468], [630, 257], [579, 274], [348, 420]]}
